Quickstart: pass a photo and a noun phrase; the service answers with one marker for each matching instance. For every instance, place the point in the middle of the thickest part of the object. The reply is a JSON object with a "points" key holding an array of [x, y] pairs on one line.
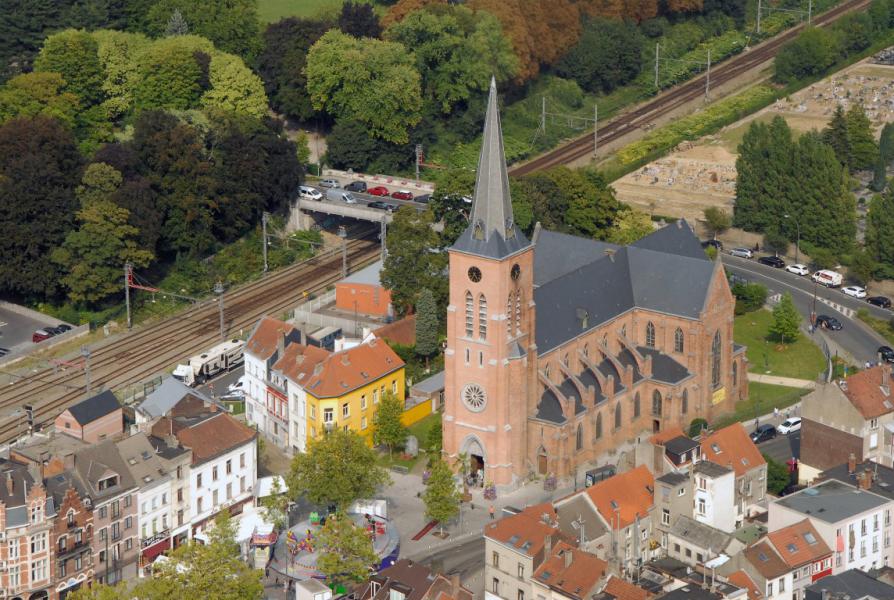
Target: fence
{"points": [[309, 313], [137, 392]]}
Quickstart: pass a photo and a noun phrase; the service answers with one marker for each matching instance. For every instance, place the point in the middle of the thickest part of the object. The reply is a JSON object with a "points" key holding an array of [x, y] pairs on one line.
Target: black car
{"points": [[763, 433], [54, 330], [382, 206], [827, 322], [4, 351], [423, 199], [63, 327], [715, 243], [356, 186], [772, 261], [886, 353], [882, 301]]}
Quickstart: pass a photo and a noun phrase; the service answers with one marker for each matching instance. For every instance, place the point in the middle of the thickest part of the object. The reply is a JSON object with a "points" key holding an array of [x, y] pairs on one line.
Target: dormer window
{"points": [[107, 482], [394, 594]]}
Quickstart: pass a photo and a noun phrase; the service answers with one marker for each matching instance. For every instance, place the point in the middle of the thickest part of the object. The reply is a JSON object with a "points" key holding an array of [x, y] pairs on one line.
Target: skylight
{"points": [[715, 448], [792, 548], [614, 505], [762, 557], [809, 538], [513, 539], [744, 461], [545, 575]]}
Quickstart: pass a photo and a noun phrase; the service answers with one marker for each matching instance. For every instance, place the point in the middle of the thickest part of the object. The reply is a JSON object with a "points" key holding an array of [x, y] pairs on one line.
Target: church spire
{"points": [[492, 210], [492, 231]]}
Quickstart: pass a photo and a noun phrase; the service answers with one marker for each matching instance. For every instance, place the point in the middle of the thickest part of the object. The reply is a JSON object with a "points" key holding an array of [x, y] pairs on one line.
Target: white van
{"points": [[340, 195], [827, 278]]}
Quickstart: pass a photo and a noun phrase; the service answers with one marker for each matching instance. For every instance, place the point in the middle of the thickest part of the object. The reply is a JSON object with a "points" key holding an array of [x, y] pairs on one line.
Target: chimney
{"points": [[867, 478], [569, 557], [547, 545], [281, 344], [10, 485], [454, 585], [824, 594], [851, 464]]}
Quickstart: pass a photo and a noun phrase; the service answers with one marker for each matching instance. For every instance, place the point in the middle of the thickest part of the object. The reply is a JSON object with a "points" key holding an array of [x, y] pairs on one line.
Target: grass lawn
{"points": [[762, 399], [801, 360], [882, 327], [274, 10], [420, 430]]}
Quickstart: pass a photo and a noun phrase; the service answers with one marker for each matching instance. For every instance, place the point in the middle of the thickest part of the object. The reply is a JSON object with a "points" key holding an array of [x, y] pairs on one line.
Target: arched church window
{"points": [[598, 429], [684, 402], [482, 317], [586, 349], [678, 340], [735, 374], [715, 361], [650, 334], [565, 359], [656, 403], [624, 331], [546, 371], [470, 315], [579, 437], [636, 408], [518, 309], [618, 415]]}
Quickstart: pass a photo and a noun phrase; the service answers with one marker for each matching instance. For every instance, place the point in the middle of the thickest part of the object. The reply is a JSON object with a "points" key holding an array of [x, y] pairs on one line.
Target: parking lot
{"points": [[17, 325]]}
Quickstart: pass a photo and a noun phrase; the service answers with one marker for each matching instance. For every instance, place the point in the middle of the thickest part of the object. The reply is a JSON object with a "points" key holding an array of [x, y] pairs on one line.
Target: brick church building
{"points": [[560, 348]]}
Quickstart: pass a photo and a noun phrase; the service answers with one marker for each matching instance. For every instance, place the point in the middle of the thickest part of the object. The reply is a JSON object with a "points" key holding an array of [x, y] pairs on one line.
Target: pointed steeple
{"points": [[492, 231]]}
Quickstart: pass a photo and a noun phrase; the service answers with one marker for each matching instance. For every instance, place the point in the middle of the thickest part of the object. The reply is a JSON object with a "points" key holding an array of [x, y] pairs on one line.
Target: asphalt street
{"points": [[782, 447], [463, 560], [218, 386], [855, 337]]}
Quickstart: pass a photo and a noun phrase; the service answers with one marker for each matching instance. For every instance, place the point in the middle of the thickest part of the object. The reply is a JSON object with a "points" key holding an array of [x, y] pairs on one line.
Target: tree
{"points": [[457, 52], [338, 468], [39, 169], [230, 24], [169, 73], [837, 135], [118, 52], [434, 437], [607, 55], [350, 146], [809, 54], [359, 19], [697, 427], [441, 496], [99, 182], [345, 551], [276, 506], [177, 25], [880, 228], [367, 80], [234, 88], [426, 324], [886, 153], [449, 206], [387, 426], [38, 94], [94, 254], [862, 267], [749, 297], [73, 54], [628, 226], [864, 150], [786, 320], [778, 477], [412, 262], [717, 220]]}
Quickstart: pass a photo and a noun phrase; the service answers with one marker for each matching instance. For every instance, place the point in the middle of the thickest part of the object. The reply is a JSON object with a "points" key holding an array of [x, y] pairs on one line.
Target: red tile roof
{"points": [[865, 391], [624, 590], [741, 579], [799, 544], [298, 361], [662, 437], [630, 493], [214, 436], [526, 531], [344, 371], [765, 560], [401, 332], [571, 571], [266, 335], [731, 447]]}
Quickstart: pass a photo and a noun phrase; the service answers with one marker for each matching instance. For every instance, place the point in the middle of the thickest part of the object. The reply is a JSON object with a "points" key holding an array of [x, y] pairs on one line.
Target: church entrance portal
{"points": [[541, 461], [475, 453], [656, 426]]}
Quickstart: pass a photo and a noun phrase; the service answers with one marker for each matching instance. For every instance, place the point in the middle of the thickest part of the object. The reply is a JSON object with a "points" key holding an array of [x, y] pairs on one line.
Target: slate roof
{"points": [[700, 534], [732, 447], [626, 358], [677, 238], [99, 461], [855, 584], [578, 509], [214, 436], [665, 367], [832, 501], [21, 479], [94, 408], [549, 408], [680, 444], [144, 464], [637, 276], [575, 579], [882, 477], [557, 254], [166, 396]]}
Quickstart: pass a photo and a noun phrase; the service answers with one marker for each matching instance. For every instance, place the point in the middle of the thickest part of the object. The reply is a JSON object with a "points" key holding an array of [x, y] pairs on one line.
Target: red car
{"points": [[40, 335], [402, 195], [379, 190]]}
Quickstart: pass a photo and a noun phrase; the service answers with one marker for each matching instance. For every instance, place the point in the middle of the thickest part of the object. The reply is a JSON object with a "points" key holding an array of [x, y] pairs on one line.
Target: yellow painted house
{"points": [[345, 388]]}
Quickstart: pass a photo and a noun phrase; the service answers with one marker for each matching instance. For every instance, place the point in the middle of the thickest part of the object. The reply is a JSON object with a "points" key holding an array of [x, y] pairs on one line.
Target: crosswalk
{"points": [[773, 299]]}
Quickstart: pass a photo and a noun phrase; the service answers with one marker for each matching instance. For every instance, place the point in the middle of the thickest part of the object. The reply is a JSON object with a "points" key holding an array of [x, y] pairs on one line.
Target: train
{"points": [[218, 359]]}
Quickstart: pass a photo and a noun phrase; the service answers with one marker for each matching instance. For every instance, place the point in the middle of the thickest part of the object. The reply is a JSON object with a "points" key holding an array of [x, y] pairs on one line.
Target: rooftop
{"points": [[741, 579], [680, 445], [264, 339], [832, 501], [144, 465], [710, 469], [369, 275], [690, 592], [577, 516], [171, 391], [402, 331], [799, 543], [870, 391], [214, 436], [765, 560], [526, 531], [701, 535], [348, 370], [623, 590], [94, 408], [629, 495], [732, 447], [855, 584], [103, 471], [673, 478], [882, 477], [298, 362], [571, 571]]}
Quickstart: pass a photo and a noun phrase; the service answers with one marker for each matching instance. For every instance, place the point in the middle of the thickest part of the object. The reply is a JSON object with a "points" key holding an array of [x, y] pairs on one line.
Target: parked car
{"points": [[402, 195], [40, 335], [772, 261], [356, 186], [886, 353], [763, 433], [714, 243], [827, 322], [383, 206], [329, 183], [789, 425], [797, 269], [63, 327], [238, 385], [854, 291], [379, 190], [309, 193], [423, 199], [742, 252], [339, 195], [880, 301], [4, 352], [827, 278], [53, 330]]}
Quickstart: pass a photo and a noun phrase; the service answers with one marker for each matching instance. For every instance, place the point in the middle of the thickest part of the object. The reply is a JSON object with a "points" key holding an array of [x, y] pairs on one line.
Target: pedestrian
{"points": [[267, 572], [491, 510], [775, 412]]}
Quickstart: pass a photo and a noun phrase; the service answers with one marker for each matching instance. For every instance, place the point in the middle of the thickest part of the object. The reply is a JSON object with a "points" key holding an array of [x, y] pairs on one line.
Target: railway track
{"points": [[138, 355], [670, 100]]}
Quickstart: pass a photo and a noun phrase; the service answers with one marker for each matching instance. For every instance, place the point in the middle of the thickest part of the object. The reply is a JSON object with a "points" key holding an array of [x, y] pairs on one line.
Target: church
{"points": [[561, 348]]}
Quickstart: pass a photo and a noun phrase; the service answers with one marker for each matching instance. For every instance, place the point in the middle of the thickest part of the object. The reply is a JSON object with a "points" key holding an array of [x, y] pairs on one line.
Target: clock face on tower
{"points": [[475, 274], [474, 397]]}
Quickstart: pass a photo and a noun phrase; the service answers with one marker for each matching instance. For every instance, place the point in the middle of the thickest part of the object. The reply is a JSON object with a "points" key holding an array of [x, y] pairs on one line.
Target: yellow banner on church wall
{"points": [[719, 396]]}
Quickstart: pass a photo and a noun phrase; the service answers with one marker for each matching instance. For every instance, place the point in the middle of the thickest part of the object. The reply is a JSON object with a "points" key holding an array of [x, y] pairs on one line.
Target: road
{"points": [[782, 447], [219, 385], [855, 337], [464, 560]]}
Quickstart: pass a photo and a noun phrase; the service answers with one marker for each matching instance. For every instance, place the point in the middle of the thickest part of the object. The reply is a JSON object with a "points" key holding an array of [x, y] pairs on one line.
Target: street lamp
{"points": [[798, 243]]}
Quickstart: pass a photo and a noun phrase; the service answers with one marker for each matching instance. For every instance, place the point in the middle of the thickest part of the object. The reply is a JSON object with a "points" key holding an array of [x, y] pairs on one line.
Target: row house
{"points": [[72, 534], [802, 548], [568, 574], [404, 580], [731, 447]]}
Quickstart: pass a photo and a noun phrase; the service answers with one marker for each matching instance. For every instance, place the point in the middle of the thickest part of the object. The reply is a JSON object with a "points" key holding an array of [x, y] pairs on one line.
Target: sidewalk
{"points": [[806, 384]]}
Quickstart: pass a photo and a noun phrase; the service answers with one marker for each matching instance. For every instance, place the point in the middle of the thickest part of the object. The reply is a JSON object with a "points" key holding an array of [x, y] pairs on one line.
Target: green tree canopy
{"points": [[367, 80], [879, 242], [231, 24], [170, 73], [346, 552], [426, 324], [786, 320], [387, 426], [234, 88], [99, 182], [38, 94], [276, 506], [74, 55], [717, 220], [886, 154], [811, 53], [864, 150], [777, 475], [457, 51], [607, 55], [117, 52], [837, 135], [338, 468], [628, 226], [434, 437], [414, 261], [441, 497]]}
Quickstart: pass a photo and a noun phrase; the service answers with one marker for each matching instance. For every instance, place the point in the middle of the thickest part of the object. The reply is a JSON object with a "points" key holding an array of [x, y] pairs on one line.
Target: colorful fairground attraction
{"points": [[295, 553]]}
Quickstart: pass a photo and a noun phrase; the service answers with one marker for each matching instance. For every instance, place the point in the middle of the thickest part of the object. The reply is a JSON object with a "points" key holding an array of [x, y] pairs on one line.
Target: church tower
{"points": [[490, 325]]}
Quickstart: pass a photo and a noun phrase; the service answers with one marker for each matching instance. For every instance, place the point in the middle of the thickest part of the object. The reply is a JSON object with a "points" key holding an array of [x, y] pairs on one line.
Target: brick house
{"points": [[408, 580], [92, 420], [362, 292], [72, 535], [629, 340], [568, 574], [732, 448], [847, 416]]}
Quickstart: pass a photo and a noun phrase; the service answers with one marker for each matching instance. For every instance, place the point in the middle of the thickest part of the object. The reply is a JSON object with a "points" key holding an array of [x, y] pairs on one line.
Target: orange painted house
{"points": [[363, 293]]}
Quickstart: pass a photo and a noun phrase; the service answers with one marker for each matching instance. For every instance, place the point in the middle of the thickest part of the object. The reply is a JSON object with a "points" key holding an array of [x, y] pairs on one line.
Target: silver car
{"points": [[329, 183], [742, 252]]}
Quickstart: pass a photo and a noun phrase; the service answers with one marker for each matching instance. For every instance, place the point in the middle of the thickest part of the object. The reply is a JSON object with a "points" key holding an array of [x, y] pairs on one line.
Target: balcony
{"points": [[72, 549]]}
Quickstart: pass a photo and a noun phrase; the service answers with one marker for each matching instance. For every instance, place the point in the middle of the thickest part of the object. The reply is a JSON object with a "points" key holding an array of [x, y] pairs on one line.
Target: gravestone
{"points": [[412, 446]]}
